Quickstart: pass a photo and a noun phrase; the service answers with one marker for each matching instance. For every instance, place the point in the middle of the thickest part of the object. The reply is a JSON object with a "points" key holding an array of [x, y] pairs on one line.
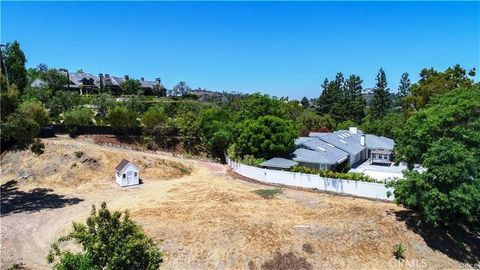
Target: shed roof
{"points": [[122, 165], [281, 163]]}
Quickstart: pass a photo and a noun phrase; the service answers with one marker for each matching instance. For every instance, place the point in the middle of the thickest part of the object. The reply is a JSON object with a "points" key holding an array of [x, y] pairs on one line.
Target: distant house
{"points": [[379, 149], [85, 83], [126, 174]]}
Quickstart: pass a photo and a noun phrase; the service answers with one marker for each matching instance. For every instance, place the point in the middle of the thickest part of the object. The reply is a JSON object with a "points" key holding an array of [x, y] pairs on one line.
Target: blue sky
{"points": [[279, 48]]}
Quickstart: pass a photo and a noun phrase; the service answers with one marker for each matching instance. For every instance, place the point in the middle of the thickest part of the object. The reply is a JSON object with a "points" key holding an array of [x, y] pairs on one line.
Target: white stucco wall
{"points": [[357, 188]]}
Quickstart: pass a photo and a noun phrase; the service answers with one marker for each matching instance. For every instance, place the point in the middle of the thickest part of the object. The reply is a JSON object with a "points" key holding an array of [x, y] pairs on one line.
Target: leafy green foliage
{"points": [[77, 117], [15, 63], [103, 102], [63, 101], [121, 119], [433, 83], [255, 105], [34, 110], [454, 115], [266, 137], [448, 193], [333, 174], [398, 251], [154, 116], [310, 121], [381, 102], [19, 129], [180, 89], [131, 87], [108, 241]]}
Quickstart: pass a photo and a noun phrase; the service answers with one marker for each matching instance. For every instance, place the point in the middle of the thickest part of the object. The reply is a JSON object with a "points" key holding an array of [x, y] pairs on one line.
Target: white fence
{"points": [[356, 188]]}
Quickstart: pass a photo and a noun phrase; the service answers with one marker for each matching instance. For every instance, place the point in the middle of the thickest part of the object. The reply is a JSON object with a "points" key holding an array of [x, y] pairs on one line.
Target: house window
{"points": [[135, 174], [124, 175]]}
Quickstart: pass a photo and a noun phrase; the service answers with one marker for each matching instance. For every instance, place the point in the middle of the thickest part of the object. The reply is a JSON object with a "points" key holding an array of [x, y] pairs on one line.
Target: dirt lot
{"points": [[203, 217]]}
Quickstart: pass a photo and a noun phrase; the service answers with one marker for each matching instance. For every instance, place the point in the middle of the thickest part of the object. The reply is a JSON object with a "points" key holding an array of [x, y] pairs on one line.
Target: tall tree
{"points": [[381, 96], [354, 99], [305, 102], [404, 88], [15, 63], [332, 100]]}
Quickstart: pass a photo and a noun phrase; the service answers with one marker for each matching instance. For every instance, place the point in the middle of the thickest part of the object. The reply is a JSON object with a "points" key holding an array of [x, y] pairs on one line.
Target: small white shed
{"points": [[126, 174]]}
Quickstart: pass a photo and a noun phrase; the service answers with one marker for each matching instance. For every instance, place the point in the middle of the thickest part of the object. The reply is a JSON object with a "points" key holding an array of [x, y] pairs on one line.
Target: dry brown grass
{"points": [[208, 219]]}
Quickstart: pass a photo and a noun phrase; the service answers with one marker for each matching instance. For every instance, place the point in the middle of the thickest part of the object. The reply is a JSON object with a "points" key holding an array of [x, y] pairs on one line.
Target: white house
{"points": [[126, 174]]}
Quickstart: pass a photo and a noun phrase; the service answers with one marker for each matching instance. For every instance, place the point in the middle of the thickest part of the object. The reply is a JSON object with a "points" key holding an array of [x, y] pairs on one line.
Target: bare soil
{"points": [[201, 216]]}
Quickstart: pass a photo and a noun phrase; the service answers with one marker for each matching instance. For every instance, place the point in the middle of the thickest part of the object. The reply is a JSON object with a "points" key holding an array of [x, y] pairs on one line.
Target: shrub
{"points": [[77, 117], [332, 174], [399, 251], [121, 119], [109, 241]]}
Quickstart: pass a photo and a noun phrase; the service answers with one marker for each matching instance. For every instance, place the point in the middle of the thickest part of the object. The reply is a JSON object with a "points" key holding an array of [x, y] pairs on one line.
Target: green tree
{"points": [[77, 117], [266, 137], [256, 105], [214, 130], [121, 119], [154, 116], [305, 102], [136, 104], [332, 101], [310, 121], [15, 63], [62, 102], [433, 83], [34, 110], [9, 98], [180, 89], [404, 88], [448, 193], [19, 130], [131, 87], [108, 241], [103, 102], [381, 96], [454, 115], [355, 101]]}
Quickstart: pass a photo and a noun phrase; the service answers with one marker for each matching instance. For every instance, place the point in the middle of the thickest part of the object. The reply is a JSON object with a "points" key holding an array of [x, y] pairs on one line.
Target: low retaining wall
{"points": [[313, 181]]}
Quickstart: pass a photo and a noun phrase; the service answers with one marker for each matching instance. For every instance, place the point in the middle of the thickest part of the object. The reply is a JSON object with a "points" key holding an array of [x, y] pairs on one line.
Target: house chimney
{"points": [[107, 75], [158, 80], [353, 130], [127, 78], [100, 75], [362, 140], [142, 79]]}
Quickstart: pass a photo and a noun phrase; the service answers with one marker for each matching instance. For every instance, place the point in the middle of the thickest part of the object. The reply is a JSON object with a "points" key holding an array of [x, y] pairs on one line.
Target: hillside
{"points": [[203, 217]]}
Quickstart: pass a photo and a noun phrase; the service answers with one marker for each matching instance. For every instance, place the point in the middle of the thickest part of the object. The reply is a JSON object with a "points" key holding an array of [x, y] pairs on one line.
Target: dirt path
{"points": [[205, 219]]}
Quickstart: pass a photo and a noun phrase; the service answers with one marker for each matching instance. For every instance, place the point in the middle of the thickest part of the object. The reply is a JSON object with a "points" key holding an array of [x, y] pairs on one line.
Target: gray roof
{"points": [[317, 134], [77, 77], [346, 141], [379, 142], [280, 163], [329, 156], [301, 140], [122, 165]]}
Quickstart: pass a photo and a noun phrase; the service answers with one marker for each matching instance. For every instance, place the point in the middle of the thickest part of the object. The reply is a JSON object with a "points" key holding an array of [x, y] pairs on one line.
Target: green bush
{"points": [[108, 241], [121, 119], [399, 251], [332, 174], [77, 117]]}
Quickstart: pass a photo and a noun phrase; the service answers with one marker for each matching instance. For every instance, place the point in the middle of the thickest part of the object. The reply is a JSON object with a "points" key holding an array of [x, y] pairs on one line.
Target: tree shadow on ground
{"points": [[459, 244], [14, 200]]}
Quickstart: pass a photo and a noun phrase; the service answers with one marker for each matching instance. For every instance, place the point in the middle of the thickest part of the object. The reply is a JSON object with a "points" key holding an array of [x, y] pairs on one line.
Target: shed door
{"points": [[130, 178]]}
